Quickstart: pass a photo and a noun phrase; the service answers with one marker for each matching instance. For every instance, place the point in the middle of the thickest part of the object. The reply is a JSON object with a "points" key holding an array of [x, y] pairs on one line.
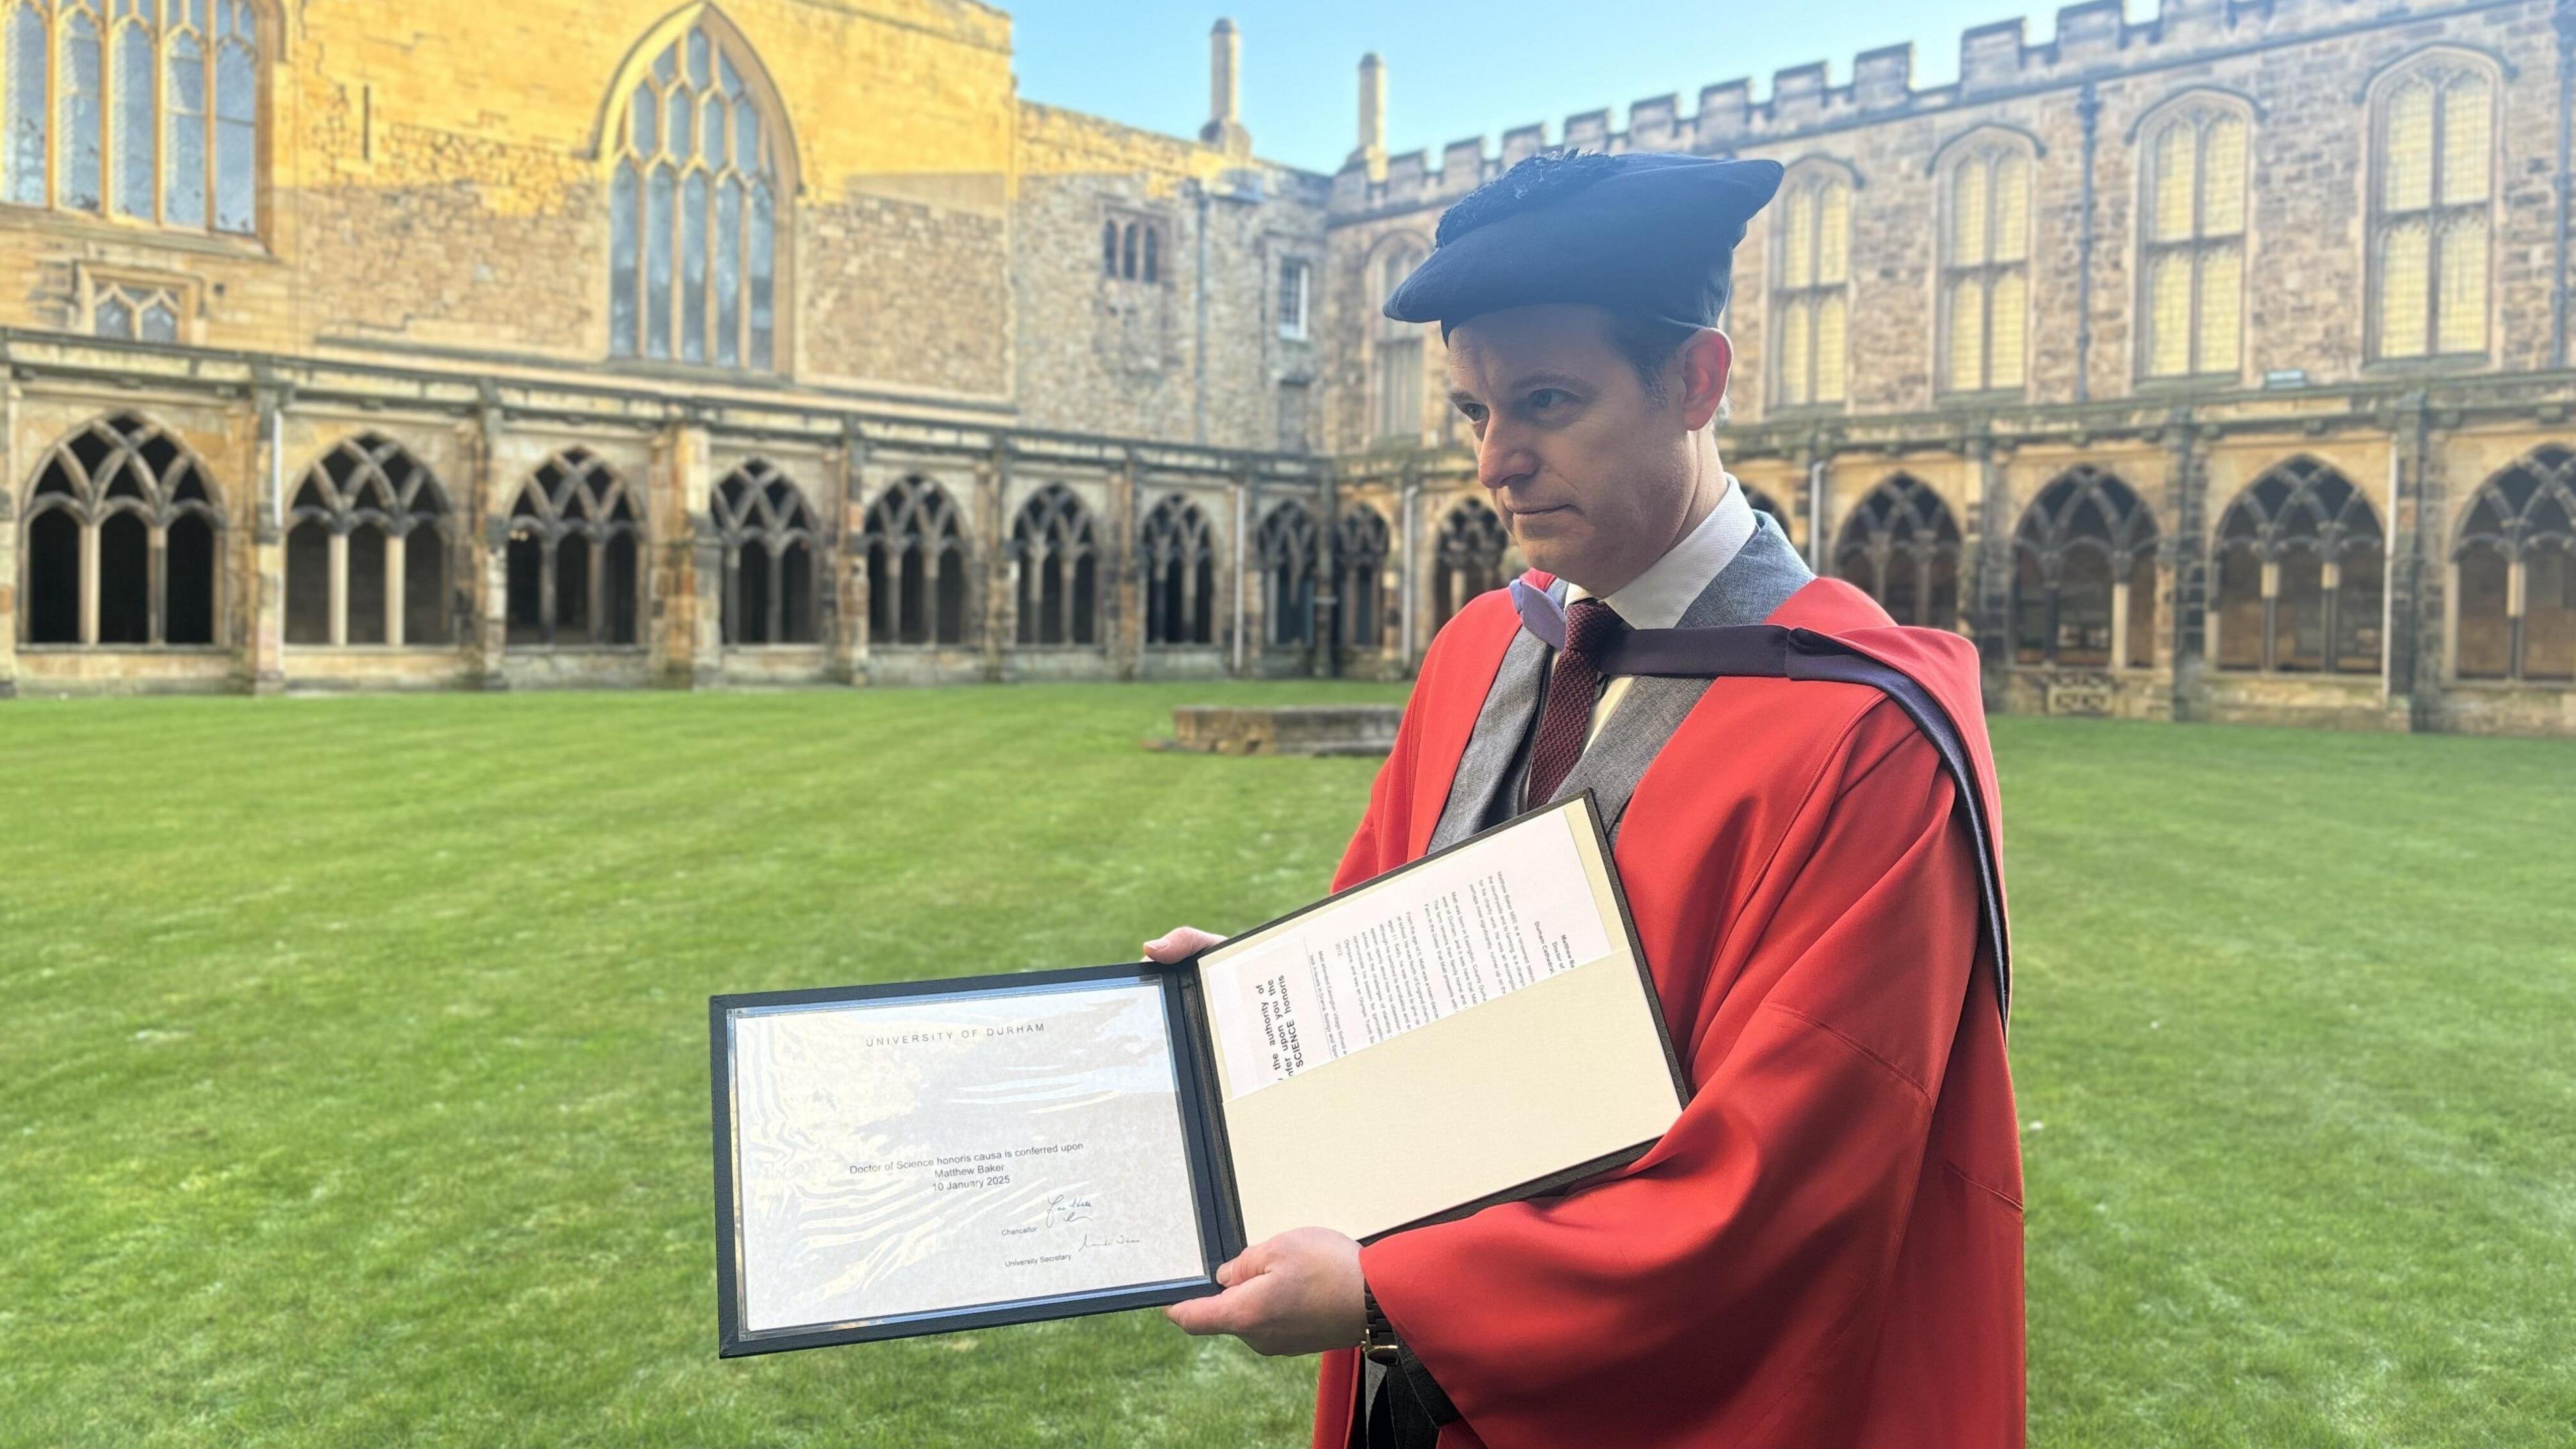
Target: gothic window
{"points": [[2516, 579], [1057, 558], [154, 112], [1901, 546], [769, 543], [574, 574], [1296, 280], [1180, 574], [133, 310], [916, 554], [1131, 249], [696, 207], [1985, 264], [1359, 560], [2194, 239], [2430, 195], [1398, 354], [2299, 575], [121, 537], [1811, 296], [2084, 575], [1468, 559], [366, 549], [1285, 545]]}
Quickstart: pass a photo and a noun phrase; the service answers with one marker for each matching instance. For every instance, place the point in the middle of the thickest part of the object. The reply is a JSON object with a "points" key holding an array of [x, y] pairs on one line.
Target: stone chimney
{"points": [[1224, 129], [1372, 147]]}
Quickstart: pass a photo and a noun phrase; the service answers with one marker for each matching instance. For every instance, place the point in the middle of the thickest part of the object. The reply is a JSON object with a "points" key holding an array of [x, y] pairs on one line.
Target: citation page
{"points": [[1491, 917], [914, 1154]]}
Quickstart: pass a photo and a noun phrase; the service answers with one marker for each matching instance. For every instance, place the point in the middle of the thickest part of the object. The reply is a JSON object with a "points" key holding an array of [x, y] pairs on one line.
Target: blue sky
{"points": [[1456, 70]]}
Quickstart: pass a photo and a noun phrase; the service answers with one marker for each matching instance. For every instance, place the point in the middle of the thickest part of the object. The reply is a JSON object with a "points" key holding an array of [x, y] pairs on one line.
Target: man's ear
{"points": [[1707, 360]]}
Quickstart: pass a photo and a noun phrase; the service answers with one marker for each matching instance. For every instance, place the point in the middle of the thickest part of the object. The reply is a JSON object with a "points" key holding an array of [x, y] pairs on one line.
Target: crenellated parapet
{"points": [[1996, 62]]}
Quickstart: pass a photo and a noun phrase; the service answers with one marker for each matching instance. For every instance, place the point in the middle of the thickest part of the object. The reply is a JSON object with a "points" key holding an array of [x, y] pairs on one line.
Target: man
{"points": [[1825, 1249]]}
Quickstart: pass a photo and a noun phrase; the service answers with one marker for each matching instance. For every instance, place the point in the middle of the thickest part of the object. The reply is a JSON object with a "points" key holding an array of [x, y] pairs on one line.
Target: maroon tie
{"points": [[1565, 721]]}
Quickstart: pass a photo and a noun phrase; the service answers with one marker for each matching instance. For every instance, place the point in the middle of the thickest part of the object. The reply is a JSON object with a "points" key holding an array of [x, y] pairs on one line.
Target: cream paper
{"points": [[911, 1155], [1502, 1034]]}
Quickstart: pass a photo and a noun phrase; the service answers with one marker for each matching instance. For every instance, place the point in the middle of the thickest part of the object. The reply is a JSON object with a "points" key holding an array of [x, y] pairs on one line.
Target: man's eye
{"points": [[1547, 397]]}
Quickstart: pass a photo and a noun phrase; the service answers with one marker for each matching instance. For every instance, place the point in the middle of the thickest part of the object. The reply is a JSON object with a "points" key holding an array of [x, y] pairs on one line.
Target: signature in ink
{"points": [[1064, 1207], [1121, 1240]]}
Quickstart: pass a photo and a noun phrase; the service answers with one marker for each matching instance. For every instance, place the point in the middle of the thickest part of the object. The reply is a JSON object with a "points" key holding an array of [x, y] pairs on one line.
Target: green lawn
{"points": [[356, 1068]]}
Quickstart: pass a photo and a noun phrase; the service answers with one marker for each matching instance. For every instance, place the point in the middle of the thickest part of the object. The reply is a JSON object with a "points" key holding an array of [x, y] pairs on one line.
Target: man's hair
{"points": [[1650, 344]]}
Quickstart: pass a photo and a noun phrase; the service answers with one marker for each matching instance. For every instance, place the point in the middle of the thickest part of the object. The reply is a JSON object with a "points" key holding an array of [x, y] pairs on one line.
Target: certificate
{"points": [[928, 1156]]}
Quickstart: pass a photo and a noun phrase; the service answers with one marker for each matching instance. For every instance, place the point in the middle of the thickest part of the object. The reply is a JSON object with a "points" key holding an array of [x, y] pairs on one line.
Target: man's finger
{"points": [[1232, 1311], [1179, 943]]}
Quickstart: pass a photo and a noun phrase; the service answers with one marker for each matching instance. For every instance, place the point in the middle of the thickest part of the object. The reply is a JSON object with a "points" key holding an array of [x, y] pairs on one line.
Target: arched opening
{"points": [[1468, 558], [53, 578], [1054, 552], [2084, 575], [1360, 561], [916, 566], [308, 583], [2300, 570], [1179, 566], [124, 579], [1901, 547], [2516, 589], [366, 586], [768, 535], [188, 582]]}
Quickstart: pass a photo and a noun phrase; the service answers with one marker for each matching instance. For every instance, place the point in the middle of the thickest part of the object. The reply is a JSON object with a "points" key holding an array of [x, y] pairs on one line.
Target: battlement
{"points": [[2092, 38]]}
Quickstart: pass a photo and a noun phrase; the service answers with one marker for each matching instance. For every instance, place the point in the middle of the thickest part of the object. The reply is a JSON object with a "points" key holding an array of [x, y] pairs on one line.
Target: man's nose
{"points": [[1500, 459]]}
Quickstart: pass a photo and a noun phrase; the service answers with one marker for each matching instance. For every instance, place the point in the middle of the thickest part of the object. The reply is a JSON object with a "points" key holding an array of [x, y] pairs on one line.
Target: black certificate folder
{"points": [[928, 1156]]}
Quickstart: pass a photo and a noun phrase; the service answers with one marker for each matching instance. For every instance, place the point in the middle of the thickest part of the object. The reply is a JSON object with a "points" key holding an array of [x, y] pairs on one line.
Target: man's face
{"points": [[1594, 478]]}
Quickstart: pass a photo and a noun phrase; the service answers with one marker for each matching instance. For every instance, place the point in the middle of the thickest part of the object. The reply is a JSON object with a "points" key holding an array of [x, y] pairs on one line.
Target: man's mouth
{"points": [[1523, 511]]}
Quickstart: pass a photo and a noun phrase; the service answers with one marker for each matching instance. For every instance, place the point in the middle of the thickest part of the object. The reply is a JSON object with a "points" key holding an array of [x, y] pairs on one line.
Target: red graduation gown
{"points": [[1826, 1249]]}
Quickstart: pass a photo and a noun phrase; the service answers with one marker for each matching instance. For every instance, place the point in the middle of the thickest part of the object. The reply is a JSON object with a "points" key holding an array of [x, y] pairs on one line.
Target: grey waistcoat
{"points": [[1488, 786]]}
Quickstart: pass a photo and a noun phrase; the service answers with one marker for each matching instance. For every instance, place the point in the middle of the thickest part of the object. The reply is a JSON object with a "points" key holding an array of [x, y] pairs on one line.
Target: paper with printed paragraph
{"points": [[1486, 919]]}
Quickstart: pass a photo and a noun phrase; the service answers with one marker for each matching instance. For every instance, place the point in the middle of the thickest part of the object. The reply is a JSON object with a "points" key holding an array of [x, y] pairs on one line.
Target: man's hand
{"points": [[1296, 1293], [1179, 944]]}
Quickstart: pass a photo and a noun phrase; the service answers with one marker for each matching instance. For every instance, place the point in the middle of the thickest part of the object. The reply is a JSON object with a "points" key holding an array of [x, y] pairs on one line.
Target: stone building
{"points": [[2211, 367]]}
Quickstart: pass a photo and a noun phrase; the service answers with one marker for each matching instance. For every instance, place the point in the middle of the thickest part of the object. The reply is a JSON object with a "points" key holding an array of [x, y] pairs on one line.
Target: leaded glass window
{"points": [[1985, 266], [2432, 190], [1812, 298], [695, 203], [2194, 269], [153, 115]]}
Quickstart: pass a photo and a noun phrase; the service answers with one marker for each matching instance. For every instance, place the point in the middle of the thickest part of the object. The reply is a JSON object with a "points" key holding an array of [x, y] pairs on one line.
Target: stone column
{"points": [[848, 659], [487, 551], [397, 566], [1990, 565], [263, 595], [2417, 497], [1124, 629], [2189, 626], [1001, 570], [1324, 654], [2119, 622], [689, 642]]}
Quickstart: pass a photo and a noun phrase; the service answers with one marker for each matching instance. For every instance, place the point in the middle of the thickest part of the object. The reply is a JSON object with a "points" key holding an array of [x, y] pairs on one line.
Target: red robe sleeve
{"points": [[1729, 1287]]}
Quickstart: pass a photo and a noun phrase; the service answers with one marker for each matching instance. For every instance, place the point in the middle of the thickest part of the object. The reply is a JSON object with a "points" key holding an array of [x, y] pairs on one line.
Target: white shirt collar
{"points": [[1656, 598]]}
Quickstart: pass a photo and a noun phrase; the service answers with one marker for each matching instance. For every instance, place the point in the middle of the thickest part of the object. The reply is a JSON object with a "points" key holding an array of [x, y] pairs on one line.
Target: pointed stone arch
{"points": [[919, 583], [121, 540], [771, 546], [2300, 560], [574, 572], [368, 536], [1901, 545], [2513, 573], [2084, 574]]}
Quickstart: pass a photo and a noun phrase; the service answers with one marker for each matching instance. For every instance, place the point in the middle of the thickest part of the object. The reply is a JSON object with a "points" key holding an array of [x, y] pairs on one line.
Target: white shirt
{"points": [[1656, 598]]}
